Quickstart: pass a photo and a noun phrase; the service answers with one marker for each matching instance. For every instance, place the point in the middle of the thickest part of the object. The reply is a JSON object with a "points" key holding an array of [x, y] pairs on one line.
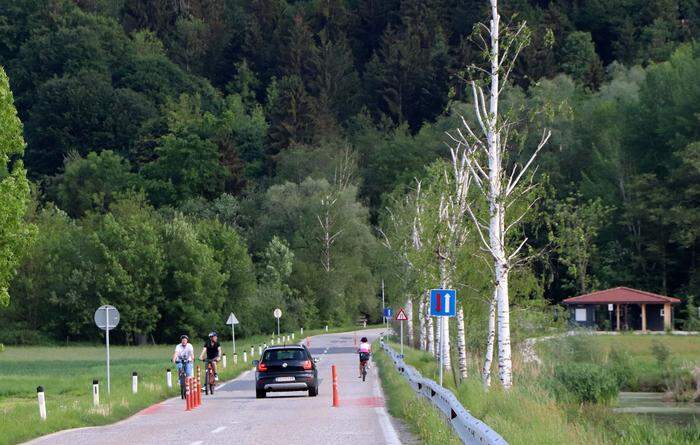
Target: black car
{"points": [[286, 368]]}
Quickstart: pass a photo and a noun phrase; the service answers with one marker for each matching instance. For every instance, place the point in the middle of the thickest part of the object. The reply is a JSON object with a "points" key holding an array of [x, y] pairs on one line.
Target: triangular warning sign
{"points": [[401, 315]]}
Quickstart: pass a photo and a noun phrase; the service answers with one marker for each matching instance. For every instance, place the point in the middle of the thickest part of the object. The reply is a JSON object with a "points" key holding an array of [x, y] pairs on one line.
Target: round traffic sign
{"points": [[106, 317], [277, 313]]}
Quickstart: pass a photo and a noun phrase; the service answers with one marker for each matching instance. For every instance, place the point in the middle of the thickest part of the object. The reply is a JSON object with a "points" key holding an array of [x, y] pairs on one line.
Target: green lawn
{"points": [[66, 373], [685, 348]]}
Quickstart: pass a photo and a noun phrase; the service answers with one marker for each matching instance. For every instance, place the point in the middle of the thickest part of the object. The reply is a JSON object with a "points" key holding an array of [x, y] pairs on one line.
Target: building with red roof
{"points": [[631, 309]]}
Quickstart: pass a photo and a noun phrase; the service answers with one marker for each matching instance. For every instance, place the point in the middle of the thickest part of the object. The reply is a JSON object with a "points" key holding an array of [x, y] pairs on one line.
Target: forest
{"points": [[188, 158]]}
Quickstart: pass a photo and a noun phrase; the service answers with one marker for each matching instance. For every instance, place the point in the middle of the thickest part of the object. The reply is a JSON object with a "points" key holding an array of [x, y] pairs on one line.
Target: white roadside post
{"points": [[107, 318], [95, 393], [259, 350], [292, 335], [252, 351], [134, 382], [235, 359], [233, 321], [326, 328], [168, 378], [302, 331], [42, 402], [245, 357], [223, 359]]}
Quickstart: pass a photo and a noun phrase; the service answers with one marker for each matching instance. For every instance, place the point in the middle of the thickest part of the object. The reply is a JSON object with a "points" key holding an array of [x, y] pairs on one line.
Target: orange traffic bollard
{"points": [[308, 343], [197, 392], [336, 401], [188, 394], [355, 339]]}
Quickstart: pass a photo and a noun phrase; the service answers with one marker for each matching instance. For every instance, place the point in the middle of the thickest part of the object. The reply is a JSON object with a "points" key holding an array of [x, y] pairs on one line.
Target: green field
{"points": [[67, 372]]}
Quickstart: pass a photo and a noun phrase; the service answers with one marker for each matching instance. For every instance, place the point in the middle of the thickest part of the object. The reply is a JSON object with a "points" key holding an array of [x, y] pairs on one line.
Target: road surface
{"points": [[234, 416]]}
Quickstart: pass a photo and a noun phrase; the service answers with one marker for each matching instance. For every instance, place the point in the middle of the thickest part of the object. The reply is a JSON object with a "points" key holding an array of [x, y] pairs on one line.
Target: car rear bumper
{"points": [[290, 386], [302, 382]]}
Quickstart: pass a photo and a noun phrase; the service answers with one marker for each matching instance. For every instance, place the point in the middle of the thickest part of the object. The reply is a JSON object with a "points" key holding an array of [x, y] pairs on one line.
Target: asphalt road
{"points": [[234, 416]]}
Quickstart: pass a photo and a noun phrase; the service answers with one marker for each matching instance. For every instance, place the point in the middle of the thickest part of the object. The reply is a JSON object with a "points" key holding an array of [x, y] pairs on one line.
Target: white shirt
{"points": [[365, 347], [186, 352]]}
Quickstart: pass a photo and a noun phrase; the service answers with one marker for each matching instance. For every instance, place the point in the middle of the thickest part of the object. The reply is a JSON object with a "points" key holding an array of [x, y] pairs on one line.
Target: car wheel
{"points": [[260, 394], [313, 392]]}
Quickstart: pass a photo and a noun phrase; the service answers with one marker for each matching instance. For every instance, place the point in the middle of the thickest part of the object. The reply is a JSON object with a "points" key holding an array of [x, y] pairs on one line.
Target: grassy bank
{"points": [[66, 372], [424, 420], [531, 413]]}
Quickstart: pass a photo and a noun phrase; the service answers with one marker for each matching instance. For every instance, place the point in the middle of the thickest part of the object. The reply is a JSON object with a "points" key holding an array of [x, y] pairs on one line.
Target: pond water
{"points": [[652, 404]]}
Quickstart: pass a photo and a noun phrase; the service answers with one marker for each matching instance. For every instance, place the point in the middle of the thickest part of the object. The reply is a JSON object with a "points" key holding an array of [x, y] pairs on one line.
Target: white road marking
{"points": [[218, 430], [199, 442], [390, 435]]}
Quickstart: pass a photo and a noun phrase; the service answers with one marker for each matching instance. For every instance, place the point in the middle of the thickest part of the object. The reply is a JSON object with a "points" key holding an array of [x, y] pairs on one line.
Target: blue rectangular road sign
{"points": [[388, 312], [443, 302]]}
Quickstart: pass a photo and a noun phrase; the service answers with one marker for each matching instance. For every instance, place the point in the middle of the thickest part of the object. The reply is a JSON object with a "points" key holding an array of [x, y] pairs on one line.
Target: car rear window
{"points": [[284, 354]]}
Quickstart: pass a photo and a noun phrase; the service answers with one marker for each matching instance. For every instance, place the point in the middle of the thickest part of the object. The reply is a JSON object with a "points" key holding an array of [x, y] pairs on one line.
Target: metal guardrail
{"points": [[469, 429]]}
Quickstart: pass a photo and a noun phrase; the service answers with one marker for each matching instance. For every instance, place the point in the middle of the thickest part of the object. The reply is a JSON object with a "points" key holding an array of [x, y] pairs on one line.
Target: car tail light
{"points": [[262, 367], [308, 365]]}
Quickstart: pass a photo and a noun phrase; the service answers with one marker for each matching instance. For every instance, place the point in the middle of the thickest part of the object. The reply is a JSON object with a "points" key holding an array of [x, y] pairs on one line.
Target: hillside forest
{"points": [[181, 159]]}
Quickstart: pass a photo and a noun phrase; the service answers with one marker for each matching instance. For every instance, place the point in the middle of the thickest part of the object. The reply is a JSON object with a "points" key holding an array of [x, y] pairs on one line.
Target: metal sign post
{"points": [[401, 317], [107, 318], [278, 314], [233, 321], [443, 303]]}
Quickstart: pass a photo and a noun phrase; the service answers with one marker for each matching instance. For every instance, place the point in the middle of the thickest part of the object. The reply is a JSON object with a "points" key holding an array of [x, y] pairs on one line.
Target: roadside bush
{"points": [[586, 383]]}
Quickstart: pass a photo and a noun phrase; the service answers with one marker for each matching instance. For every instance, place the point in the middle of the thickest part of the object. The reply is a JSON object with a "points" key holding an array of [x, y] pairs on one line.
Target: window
{"points": [[284, 355], [580, 314], [662, 312]]}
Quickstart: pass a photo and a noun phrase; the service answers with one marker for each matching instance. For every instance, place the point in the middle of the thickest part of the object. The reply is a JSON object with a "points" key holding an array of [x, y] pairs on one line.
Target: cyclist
{"points": [[184, 355], [212, 349], [364, 350]]}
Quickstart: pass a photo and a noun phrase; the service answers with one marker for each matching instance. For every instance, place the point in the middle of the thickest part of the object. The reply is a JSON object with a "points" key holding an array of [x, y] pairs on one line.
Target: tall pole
{"points": [[109, 389], [383, 305], [278, 326], [401, 338], [442, 335], [233, 337]]}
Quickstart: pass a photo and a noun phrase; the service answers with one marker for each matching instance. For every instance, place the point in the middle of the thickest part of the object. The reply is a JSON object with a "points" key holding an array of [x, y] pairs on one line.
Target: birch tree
{"points": [[485, 145]]}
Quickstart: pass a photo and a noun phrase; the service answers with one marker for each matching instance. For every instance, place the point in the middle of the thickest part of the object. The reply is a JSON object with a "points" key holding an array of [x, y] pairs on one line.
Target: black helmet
{"points": [[363, 339], [184, 336], [212, 334]]}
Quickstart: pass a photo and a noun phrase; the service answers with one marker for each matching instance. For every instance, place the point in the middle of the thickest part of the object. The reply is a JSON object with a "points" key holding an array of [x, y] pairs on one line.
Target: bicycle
{"points": [[209, 377], [364, 358], [182, 377]]}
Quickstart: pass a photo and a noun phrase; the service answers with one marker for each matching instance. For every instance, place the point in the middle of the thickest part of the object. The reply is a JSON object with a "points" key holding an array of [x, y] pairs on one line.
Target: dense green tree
{"points": [[580, 60], [93, 182], [15, 234]]}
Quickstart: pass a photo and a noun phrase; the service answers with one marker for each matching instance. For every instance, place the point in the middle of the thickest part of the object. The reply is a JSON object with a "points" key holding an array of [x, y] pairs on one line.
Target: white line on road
{"points": [[218, 430], [199, 442], [390, 435]]}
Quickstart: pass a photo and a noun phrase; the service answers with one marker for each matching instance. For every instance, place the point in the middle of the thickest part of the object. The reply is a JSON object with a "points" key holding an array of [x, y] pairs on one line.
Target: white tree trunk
{"points": [[496, 209], [486, 372], [446, 343], [409, 322], [423, 339], [462, 344], [431, 331]]}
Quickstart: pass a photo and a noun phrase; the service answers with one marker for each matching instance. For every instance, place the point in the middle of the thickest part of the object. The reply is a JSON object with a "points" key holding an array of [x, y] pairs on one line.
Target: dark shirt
{"points": [[212, 349]]}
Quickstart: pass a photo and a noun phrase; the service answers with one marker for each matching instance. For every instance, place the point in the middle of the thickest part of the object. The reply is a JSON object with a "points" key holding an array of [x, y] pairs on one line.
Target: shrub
{"points": [[620, 365], [660, 352], [587, 382]]}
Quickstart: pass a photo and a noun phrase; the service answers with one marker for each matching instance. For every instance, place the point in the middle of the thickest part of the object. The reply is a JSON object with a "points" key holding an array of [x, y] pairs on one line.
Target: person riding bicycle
{"points": [[212, 349], [364, 350], [184, 356]]}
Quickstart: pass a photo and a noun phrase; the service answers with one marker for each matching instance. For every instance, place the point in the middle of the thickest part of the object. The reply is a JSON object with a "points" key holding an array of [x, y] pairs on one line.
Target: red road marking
{"points": [[438, 303], [371, 402], [152, 409]]}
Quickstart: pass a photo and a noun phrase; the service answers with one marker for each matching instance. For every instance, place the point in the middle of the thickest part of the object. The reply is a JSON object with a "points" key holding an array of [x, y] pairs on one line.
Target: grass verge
{"points": [[424, 420], [67, 372]]}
